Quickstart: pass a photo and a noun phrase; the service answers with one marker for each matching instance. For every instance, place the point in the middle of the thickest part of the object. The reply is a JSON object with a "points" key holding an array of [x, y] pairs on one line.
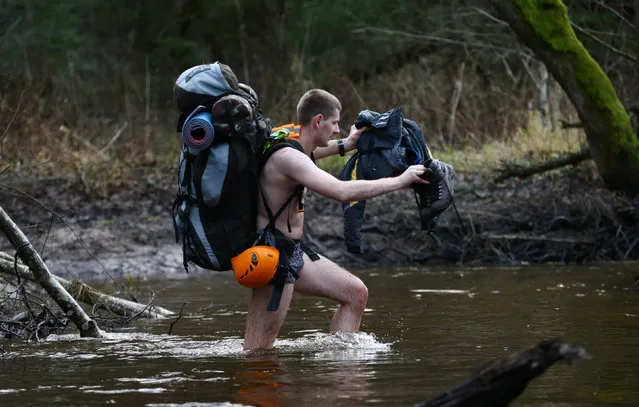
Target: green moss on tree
{"points": [[550, 22]]}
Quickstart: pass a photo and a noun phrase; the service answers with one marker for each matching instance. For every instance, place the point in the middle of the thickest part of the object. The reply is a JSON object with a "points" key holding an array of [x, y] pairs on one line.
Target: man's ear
{"points": [[317, 119]]}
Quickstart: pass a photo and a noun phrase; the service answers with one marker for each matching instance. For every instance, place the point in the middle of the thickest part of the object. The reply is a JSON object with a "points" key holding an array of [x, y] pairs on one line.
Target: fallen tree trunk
{"points": [[526, 171], [88, 295], [26, 252]]}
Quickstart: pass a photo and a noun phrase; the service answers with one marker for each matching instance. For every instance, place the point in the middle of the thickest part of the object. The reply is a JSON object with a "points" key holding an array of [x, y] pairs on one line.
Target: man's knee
{"points": [[358, 294]]}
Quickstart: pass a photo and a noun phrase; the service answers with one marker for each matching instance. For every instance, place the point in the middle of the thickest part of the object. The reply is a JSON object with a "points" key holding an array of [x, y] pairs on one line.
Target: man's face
{"points": [[328, 127]]}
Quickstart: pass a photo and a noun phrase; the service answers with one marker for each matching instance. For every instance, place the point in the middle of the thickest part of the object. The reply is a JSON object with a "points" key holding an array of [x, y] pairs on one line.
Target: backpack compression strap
{"points": [[184, 195]]}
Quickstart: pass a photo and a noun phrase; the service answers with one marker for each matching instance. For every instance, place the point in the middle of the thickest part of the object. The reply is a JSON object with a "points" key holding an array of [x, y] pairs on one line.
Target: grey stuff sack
{"points": [[214, 213]]}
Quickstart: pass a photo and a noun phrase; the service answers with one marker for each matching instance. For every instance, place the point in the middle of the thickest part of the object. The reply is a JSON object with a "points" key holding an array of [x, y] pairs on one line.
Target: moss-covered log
{"points": [[544, 26]]}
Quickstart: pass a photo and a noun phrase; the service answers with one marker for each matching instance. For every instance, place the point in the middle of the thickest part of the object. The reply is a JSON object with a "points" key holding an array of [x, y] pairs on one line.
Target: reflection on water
{"points": [[425, 330]]}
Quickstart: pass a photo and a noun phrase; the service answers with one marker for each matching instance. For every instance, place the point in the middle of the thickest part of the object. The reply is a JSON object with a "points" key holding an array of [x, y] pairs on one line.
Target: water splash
{"points": [[135, 346], [438, 291], [337, 346], [154, 390]]}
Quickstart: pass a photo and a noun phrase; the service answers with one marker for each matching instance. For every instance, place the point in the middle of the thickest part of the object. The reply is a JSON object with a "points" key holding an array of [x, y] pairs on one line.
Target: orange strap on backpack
{"points": [[292, 128]]}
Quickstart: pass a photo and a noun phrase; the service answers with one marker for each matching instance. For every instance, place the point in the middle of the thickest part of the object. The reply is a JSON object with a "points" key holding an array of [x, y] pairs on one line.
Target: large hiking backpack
{"points": [[215, 210]]}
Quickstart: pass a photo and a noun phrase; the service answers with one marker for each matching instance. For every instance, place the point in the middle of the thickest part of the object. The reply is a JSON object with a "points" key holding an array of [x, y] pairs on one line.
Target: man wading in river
{"points": [[286, 174]]}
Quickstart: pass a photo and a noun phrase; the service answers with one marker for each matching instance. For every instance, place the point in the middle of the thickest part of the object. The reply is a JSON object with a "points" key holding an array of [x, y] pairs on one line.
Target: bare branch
{"points": [[615, 12], [603, 43], [569, 125], [542, 238], [19, 192], [15, 113], [177, 319], [86, 142], [490, 16], [435, 38], [115, 137], [88, 295], [24, 249]]}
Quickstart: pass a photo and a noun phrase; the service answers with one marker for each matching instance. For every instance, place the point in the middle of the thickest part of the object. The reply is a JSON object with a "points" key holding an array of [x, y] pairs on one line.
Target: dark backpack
{"points": [[215, 210]]}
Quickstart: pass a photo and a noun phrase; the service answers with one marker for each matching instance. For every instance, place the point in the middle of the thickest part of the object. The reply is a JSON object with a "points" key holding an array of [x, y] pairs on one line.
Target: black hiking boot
{"points": [[436, 197]]}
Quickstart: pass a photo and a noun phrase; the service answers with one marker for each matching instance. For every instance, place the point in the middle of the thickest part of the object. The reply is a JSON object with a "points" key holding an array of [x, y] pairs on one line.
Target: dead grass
{"points": [[106, 153], [101, 155], [529, 144], [102, 167]]}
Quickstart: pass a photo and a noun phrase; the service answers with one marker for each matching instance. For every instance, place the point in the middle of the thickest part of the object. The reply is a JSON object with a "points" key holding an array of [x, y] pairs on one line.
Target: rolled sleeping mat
{"points": [[198, 132]]}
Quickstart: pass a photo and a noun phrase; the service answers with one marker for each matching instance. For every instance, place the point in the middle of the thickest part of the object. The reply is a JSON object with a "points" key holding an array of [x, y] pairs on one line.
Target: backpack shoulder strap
{"points": [[299, 191], [269, 151]]}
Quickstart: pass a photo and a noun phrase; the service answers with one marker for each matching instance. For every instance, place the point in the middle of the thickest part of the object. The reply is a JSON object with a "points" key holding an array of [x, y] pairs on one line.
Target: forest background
{"points": [[86, 85], [81, 71]]}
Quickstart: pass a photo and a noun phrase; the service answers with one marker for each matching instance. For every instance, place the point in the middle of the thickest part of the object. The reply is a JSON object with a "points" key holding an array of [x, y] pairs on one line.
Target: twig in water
{"points": [[178, 317], [141, 311]]}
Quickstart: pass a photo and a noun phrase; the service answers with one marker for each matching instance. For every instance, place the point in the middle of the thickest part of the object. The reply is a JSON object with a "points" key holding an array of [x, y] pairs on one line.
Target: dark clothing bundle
{"points": [[391, 144]]}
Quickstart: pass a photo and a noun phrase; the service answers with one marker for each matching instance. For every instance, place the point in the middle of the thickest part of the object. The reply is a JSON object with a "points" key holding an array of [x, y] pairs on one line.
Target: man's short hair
{"points": [[314, 102]]}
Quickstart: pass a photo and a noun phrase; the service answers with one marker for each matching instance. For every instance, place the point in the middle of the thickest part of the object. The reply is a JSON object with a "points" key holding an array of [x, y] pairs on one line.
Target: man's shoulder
{"points": [[282, 147], [286, 152]]}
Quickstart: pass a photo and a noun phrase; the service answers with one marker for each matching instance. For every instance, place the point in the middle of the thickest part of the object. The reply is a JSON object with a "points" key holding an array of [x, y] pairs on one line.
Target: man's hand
{"points": [[412, 174], [350, 142]]}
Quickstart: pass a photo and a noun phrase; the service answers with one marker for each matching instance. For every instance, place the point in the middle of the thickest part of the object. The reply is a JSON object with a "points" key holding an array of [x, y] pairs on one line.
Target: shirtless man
{"points": [[318, 114]]}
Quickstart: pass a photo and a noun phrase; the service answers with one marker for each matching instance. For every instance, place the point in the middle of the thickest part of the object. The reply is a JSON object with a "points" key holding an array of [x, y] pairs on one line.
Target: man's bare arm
{"points": [[299, 167], [329, 150], [350, 143]]}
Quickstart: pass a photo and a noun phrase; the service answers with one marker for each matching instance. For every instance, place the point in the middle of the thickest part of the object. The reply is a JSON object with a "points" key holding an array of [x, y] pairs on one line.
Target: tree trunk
{"points": [[26, 252], [88, 295], [544, 27]]}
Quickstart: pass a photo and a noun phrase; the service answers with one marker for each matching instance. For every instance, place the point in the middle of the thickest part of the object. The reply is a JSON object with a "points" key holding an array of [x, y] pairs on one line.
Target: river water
{"points": [[425, 330]]}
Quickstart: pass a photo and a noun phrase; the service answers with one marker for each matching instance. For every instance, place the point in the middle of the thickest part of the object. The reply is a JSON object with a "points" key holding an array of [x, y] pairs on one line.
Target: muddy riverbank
{"points": [[128, 232]]}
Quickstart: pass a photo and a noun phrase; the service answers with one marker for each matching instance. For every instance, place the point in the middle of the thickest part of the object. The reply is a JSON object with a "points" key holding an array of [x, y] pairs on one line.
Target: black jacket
{"points": [[392, 144]]}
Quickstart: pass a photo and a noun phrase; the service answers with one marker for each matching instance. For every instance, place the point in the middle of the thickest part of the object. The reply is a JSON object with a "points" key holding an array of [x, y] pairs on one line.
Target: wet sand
{"points": [[129, 233]]}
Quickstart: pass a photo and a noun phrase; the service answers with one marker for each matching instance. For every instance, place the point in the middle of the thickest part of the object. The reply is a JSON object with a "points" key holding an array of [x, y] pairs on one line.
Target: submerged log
{"points": [[41, 274], [88, 295], [502, 381]]}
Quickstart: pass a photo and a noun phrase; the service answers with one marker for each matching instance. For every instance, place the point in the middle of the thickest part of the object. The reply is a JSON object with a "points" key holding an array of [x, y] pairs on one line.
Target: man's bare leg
{"points": [[324, 278], [262, 326]]}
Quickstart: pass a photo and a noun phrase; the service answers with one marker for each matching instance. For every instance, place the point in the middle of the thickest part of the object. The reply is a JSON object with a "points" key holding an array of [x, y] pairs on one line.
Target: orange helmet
{"points": [[255, 266]]}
